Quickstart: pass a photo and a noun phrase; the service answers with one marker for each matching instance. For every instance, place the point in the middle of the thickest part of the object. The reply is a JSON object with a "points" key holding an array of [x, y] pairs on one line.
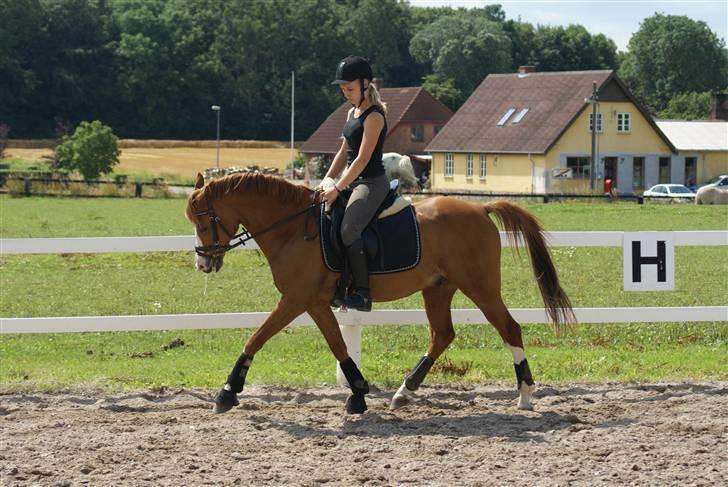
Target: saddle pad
{"points": [[401, 249]]}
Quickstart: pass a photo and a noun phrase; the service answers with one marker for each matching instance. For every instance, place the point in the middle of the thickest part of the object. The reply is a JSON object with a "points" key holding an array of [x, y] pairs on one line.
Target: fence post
{"points": [[138, 192], [352, 338], [28, 183]]}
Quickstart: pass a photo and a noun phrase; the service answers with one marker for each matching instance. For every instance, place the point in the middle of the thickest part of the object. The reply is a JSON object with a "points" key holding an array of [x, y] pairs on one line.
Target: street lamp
{"points": [[216, 108], [594, 101]]}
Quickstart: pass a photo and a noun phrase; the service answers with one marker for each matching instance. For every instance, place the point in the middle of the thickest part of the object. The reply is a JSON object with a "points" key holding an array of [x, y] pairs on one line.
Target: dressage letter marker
{"points": [[649, 261]]}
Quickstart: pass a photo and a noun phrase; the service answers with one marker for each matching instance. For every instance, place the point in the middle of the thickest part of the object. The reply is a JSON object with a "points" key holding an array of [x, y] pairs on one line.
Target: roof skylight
{"points": [[505, 117], [520, 116]]}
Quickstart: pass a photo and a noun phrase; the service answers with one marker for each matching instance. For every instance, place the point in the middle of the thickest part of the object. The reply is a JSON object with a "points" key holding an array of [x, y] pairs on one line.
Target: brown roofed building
{"points": [[531, 132], [413, 118]]}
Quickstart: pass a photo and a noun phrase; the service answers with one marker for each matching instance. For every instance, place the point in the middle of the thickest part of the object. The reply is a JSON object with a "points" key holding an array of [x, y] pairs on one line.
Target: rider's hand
{"points": [[330, 195]]}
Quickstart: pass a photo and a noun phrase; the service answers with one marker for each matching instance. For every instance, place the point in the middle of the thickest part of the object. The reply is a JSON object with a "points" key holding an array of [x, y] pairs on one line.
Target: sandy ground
{"points": [[613, 434], [181, 161]]}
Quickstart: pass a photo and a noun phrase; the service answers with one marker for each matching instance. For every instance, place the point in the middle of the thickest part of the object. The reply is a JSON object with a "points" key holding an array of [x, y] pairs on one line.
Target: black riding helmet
{"points": [[352, 68]]}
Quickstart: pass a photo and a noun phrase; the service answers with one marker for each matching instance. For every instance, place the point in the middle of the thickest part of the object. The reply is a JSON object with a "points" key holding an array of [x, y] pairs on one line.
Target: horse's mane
{"points": [[274, 186]]}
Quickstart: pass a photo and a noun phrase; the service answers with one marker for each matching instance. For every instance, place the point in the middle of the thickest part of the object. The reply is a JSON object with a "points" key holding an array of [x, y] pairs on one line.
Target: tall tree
{"points": [[672, 54], [687, 106], [573, 48]]}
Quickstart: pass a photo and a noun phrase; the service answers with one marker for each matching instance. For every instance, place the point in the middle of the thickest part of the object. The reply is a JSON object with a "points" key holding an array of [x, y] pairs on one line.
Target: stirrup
{"points": [[359, 299]]}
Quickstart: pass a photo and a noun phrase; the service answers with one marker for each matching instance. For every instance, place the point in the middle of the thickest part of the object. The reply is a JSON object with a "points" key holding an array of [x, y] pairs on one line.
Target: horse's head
{"points": [[213, 227]]}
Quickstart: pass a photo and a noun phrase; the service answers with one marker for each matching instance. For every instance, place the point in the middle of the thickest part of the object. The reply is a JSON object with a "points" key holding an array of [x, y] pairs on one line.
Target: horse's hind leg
{"points": [[437, 306], [497, 314]]}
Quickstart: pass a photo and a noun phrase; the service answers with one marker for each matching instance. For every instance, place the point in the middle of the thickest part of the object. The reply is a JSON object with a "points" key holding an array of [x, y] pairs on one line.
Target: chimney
{"points": [[719, 106], [379, 83], [527, 68]]}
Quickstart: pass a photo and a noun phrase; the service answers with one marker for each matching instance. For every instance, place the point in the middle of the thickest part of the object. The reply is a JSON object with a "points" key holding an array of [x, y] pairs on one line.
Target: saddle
{"points": [[391, 239]]}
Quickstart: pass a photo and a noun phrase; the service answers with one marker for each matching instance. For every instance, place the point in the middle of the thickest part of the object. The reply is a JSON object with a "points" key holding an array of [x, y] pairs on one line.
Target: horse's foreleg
{"points": [[437, 307], [283, 314], [326, 322]]}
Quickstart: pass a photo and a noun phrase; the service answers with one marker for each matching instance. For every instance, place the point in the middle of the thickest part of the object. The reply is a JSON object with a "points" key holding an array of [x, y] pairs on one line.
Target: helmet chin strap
{"points": [[361, 85]]}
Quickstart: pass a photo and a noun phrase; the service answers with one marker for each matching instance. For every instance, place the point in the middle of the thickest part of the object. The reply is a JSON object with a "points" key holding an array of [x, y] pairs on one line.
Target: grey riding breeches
{"points": [[366, 196]]}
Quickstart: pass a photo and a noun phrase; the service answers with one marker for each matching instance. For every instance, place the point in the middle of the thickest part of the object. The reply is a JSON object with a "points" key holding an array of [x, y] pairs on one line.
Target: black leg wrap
{"points": [[356, 381], [415, 378], [523, 373], [236, 379]]}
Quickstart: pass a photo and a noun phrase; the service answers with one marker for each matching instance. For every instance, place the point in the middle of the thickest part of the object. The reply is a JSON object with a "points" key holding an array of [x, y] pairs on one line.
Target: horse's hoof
{"points": [[356, 404], [525, 406], [398, 401], [224, 401]]}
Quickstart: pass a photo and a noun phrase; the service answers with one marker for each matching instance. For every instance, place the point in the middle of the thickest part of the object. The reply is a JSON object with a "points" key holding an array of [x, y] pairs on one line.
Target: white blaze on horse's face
{"points": [[206, 263]]}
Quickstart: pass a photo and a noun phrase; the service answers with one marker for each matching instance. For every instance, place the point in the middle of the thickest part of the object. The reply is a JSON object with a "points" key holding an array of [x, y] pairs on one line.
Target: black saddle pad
{"points": [[400, 248]]}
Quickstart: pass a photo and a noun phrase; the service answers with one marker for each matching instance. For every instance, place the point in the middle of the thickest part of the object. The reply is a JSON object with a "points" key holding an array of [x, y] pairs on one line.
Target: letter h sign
{"points": [[649, 261]]}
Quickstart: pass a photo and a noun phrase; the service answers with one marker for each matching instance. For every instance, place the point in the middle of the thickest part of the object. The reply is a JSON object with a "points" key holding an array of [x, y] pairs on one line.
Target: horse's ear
{"points": [[200, 181]]}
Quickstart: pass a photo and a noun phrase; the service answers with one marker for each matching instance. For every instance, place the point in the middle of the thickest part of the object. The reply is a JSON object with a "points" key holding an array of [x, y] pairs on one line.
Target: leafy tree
{"points": [[444, 90], [93, 149], [464, 49], [573, 49], [672, 54], [523, 43], [687, 106]]}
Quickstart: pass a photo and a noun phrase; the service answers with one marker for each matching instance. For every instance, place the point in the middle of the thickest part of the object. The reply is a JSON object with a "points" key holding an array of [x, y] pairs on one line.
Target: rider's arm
{"points": [[373, 126]]}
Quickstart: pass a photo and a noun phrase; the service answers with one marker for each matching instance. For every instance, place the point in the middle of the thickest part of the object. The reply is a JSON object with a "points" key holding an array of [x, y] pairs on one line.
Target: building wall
{"points": [[641, 141], [400, 140], [712, 164], [509, 173]]}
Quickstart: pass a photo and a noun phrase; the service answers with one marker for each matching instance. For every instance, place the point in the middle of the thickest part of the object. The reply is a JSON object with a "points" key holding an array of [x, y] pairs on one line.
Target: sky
{"points": [[616, 19]]}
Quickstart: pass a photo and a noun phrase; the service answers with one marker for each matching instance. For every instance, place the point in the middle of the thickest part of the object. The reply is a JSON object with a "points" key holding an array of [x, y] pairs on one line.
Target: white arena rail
{"points": [[187, 243]]}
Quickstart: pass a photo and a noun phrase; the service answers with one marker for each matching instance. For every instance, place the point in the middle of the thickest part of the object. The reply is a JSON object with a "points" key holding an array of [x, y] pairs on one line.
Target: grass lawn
{"points": [[120, 284]]}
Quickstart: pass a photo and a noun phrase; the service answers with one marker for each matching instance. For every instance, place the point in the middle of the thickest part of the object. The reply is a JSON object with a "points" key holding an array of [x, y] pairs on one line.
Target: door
{"points": [[610, 170]]}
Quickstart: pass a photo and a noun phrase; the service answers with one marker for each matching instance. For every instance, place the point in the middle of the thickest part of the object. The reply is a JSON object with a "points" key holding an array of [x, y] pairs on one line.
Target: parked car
{"points": [[720, 182], [669, 191]]}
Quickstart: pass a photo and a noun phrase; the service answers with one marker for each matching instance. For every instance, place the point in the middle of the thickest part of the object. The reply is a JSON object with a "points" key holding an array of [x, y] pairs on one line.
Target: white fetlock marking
{"points": [[401, 397], [227, 387], [526, 393], [518, 354]]}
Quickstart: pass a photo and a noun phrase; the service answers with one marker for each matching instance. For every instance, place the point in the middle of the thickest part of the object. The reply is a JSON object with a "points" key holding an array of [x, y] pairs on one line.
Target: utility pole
{"points": [[216, 109], [593, 166], [293, 98]]}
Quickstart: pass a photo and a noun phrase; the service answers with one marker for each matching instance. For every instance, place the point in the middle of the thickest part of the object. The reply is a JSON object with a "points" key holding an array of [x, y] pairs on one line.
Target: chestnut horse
{"points": [[461, 249]]}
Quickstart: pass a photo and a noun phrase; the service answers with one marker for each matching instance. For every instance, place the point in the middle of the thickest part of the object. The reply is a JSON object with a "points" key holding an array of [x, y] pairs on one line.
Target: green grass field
{"points": [[153, 283]]}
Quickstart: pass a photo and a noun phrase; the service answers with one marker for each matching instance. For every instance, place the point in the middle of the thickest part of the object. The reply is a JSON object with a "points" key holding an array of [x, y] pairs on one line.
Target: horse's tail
{"points": [[522, 226]]}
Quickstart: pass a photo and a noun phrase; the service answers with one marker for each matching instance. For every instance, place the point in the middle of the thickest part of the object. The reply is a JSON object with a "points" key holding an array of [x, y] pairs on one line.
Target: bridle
{"points": [[218, 250]]}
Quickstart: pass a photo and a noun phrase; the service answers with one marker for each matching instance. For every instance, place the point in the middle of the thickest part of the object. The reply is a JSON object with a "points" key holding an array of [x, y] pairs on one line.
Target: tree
{"points": [[463, 48], [444, 90], [92, 150], [573, 49], [672, 54], [688, 106]]}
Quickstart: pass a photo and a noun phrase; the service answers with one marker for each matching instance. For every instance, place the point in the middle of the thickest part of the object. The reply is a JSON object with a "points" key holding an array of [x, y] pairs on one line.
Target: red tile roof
{"points": [[554, 101], [412, 104]]}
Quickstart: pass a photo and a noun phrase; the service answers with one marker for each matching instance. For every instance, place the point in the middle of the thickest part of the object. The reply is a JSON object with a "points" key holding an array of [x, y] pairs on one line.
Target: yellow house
{"points": [[531, 132]]}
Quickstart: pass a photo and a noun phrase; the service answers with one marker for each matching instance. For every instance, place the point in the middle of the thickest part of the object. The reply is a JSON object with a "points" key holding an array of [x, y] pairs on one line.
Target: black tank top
{"points": [[354, 133]]}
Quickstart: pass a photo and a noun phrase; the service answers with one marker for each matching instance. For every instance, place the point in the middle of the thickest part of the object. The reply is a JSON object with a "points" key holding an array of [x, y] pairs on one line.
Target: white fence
{"points": [[350, 322]]}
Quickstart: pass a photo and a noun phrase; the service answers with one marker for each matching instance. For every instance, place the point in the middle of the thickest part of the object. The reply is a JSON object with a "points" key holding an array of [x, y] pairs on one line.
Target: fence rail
{"points": [[187, 243]]}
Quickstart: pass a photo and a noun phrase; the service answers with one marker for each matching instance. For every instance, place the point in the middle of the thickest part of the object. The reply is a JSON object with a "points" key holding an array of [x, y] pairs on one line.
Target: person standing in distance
{"points": [[358, 164]]}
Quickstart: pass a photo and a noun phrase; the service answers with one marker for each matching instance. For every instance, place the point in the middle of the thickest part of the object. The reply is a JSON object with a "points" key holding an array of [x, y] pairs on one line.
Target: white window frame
{"points": [[469, 166], [600, 119], [624, 122], [449, 169], [483, 168], [505, 117], [520, 116]]}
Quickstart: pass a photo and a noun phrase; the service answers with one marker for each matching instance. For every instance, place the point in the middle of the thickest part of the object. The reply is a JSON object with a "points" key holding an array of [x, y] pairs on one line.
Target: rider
{"points": [[359, 165]]}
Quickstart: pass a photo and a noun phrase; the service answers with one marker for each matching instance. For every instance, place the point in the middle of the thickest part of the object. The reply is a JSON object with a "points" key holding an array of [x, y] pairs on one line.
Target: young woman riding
{"points": [[358, 164]]}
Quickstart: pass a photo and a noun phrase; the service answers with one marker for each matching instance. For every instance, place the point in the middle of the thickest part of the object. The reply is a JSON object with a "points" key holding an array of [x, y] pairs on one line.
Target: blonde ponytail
{"points": [[375, 99]]}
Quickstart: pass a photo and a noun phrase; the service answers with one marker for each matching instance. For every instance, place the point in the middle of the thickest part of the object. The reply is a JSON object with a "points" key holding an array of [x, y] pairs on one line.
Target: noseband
{"points": [[218, 250]]}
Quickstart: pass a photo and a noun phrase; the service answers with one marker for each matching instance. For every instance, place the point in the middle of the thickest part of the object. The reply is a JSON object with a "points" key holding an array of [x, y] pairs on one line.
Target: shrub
{"points": [[92, 150]]}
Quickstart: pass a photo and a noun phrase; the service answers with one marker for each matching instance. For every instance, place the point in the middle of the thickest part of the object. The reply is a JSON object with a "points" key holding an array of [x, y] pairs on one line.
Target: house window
{"points": [[417, 133], [482, 166], [623, 122], [579, 166], [638, 172], [599, 121], [664, 172], [469, 166], [449, 164], [505, 117], [520, 116]]}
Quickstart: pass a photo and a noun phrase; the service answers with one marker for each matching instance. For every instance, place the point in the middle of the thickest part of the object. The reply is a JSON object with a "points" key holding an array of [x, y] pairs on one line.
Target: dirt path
{"points": [[614, 434]]}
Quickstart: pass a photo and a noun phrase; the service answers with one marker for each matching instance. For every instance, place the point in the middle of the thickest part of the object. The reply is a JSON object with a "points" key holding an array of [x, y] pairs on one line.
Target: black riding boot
{"points": [[359, 297]]}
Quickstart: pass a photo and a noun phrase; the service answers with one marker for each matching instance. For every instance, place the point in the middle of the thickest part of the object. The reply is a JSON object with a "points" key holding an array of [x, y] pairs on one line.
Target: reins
{"points": [[216, 249]]}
